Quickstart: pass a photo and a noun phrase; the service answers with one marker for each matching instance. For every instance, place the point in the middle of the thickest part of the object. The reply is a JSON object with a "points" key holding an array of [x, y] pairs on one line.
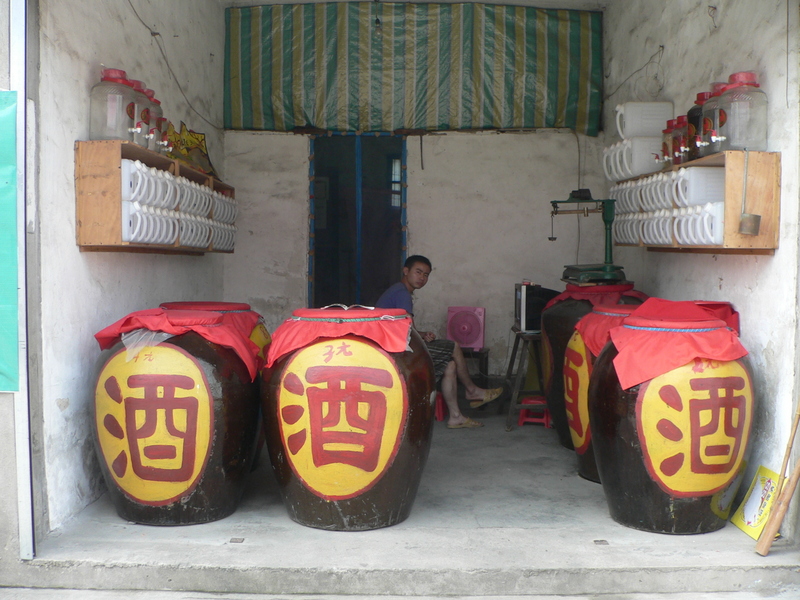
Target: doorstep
{"points": [[497, 514]]}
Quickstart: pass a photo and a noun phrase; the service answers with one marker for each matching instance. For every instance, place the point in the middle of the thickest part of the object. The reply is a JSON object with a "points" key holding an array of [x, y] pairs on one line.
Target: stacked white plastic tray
{"points": [[164, 209]]}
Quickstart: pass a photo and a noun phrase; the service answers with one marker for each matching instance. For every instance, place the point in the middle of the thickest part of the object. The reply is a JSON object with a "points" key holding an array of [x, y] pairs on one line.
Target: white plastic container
{"points": [[642, 119], [700, 185], [744, 105], [639, 155], [111, 107]]}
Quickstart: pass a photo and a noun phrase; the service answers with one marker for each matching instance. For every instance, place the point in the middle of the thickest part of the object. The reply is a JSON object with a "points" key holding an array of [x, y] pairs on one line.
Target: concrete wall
{"points": [[269, 267], [699, 49], [83, 292], [479, 210]]}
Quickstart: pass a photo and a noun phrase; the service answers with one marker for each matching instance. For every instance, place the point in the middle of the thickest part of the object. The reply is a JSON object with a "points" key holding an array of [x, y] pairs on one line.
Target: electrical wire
{"points": [[659, 53], [158, 38]]}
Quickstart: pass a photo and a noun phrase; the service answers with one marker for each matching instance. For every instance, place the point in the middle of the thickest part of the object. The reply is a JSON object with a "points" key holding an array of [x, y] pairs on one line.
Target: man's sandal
{"points": [[468, 424], [488, 396]]}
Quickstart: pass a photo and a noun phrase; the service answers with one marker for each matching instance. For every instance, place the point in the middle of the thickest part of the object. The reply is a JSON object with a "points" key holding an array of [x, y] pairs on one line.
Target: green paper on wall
{"points": [[9, 339]]}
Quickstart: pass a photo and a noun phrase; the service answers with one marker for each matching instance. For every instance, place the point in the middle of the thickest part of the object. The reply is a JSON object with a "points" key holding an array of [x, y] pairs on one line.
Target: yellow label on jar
{"points": [[694, 424], [154, 420], [342, 409], [577, 370]]}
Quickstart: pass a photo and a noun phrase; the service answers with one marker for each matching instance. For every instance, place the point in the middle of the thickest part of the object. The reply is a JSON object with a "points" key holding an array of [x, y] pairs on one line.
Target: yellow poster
{"points": [[752, 514], [154, 420], [342, 409]]}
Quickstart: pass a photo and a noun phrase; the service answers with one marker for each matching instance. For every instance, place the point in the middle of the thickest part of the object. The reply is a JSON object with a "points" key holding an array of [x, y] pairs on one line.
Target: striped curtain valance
{"points": [[374, 66]]}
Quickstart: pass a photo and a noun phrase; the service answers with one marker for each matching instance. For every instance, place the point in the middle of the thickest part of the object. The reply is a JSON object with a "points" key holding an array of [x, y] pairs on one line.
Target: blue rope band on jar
{"points": [[354, 320], [608, 314], [704, 330]]}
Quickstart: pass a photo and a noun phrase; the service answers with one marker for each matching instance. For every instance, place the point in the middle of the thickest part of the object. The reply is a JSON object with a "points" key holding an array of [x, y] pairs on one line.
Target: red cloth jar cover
{"points": [[661, 335], [388, 327], [234, 314], [212, 326], [595, 326], [597, 294]]}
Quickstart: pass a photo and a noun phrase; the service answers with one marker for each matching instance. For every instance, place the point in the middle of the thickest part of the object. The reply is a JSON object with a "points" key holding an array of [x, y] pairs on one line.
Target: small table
{"points": [[482, 355], [530, 340]]}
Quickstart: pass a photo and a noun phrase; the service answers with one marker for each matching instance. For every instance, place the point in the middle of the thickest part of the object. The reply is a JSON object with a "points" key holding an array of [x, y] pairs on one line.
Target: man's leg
{"points": [[450, 394], [472, 391]]}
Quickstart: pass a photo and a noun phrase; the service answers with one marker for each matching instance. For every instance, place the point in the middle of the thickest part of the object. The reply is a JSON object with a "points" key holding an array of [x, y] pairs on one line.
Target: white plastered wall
{"points": [[700, 48], [269, 269], [83, 292]]}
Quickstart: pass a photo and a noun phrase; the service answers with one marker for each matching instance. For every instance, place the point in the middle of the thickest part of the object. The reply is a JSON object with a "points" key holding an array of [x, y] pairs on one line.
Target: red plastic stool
{"points": [[530, 416], [440, 412]]}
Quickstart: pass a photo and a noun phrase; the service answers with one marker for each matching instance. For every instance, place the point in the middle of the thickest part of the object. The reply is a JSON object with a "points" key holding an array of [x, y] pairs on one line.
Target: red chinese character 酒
{"points": [[149, 407], [727, 411], [572, 384], [339, 432]]}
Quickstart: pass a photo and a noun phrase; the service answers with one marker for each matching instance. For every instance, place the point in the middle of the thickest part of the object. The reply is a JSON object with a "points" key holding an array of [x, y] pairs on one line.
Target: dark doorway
{"points": [[358, 217]]}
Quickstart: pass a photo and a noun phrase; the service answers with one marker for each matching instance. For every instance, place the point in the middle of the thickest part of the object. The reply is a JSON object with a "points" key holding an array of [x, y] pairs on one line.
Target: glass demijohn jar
{"points": [[111, 107], [745, 106]]}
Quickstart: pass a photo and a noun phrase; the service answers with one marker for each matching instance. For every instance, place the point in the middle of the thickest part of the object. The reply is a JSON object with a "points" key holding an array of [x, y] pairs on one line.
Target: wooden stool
{"points": [[440, 409], [527, 415], [530, 341]]}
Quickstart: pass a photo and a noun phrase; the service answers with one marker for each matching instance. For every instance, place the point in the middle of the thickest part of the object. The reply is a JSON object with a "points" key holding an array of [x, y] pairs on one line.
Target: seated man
{"points": [[448, 360]]}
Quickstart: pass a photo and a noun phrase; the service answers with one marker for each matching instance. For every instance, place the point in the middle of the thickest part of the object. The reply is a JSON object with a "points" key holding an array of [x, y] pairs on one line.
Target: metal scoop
{"points": [[748, 224]]}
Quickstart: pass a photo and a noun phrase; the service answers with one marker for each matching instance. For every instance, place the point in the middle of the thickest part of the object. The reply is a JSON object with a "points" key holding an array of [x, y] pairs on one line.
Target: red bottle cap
{"points": [[138, 85], [682, 120], [717, 87], [109, 74], [744, 78], [702, 97]]}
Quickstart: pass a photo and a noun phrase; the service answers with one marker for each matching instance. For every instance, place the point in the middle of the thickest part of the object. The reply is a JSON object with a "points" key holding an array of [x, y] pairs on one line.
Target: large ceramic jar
{"points": [[558, 323], [348, 401], [176, 415], [591, 334], [671, 408]]}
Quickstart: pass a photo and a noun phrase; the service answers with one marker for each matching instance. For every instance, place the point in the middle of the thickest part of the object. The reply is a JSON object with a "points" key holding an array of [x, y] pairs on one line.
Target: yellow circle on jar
{"points": [[342, 409], [154, 421]]}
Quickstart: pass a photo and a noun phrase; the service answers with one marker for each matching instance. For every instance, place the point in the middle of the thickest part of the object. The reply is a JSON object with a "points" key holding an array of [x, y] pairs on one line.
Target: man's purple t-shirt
{"points": [[396, 296]]}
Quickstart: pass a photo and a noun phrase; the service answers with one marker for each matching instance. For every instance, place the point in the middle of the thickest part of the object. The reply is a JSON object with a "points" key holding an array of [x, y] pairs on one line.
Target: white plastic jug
{"points": [[699, 185], [640, 155], [642, 119]]}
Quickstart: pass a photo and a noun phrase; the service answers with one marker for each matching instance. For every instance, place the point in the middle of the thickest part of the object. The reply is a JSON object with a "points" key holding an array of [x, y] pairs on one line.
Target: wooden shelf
{"points": [[763, 197], [98, 183]]}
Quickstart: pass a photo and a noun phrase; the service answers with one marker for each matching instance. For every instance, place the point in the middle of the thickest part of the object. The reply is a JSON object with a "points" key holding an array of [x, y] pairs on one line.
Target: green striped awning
{"points": [[375, 66]]}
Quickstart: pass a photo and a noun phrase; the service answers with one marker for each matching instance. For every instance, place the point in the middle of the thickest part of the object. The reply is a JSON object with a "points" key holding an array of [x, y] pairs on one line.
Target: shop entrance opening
{"points": [[359, 214]]}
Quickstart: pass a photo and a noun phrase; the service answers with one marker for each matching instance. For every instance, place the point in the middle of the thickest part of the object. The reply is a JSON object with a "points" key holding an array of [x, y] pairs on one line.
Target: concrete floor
{"points": [[498, 515]]}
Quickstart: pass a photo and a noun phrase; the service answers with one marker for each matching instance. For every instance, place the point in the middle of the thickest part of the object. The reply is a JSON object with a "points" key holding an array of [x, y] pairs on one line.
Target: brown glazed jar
{"points": [[590, 336], [669, 448], [558, 323], [175, 425], [348, 423]]}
